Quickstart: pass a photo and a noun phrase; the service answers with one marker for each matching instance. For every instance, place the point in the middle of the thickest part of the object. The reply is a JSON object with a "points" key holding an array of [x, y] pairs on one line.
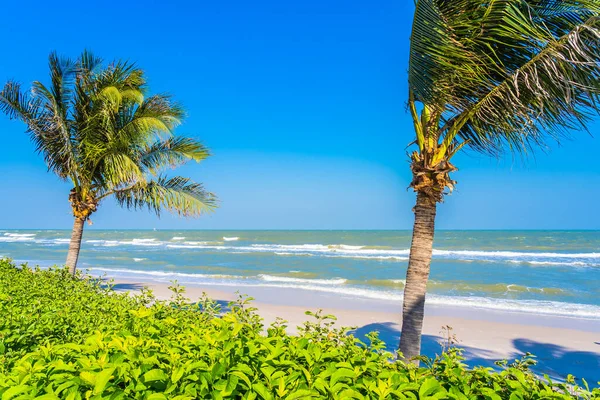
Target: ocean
{"points": [[542, 272]]}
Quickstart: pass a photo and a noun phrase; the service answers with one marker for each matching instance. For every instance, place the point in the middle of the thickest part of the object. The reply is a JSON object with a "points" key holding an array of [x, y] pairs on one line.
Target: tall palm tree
{"points": [[97, 128], [492, 75]]}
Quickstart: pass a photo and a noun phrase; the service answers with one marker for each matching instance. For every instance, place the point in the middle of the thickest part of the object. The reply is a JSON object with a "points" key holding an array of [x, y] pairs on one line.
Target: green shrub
{"points": [[65, 338]]}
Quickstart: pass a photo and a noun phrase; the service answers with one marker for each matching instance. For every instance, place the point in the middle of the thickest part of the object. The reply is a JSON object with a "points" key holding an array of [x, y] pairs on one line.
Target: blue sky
{"points": [[303, 106]]}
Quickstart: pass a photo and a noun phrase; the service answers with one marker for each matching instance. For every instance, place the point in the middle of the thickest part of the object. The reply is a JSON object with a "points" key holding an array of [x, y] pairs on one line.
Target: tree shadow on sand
{"points": [[124, 287], [556, 361], [430, 345]]}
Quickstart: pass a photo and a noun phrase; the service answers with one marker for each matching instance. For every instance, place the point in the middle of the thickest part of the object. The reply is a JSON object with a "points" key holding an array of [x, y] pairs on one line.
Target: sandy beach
{"points": [[562, 345]]}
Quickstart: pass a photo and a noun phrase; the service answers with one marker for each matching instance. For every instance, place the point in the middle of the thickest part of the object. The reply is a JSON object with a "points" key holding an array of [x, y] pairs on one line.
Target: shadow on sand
{"points": [[125, 287], [556, 361]]}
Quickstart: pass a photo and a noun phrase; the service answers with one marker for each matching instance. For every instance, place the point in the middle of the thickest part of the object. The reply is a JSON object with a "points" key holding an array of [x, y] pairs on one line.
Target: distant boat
{"points": [[230, 239]]}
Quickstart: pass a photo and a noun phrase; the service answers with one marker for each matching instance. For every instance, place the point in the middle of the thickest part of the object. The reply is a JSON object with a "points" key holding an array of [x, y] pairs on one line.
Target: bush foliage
{"points": [[66, 338]]}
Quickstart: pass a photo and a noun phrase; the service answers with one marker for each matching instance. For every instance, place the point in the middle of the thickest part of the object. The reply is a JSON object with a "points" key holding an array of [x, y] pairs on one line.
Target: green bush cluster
{"points": [[75, 338]]}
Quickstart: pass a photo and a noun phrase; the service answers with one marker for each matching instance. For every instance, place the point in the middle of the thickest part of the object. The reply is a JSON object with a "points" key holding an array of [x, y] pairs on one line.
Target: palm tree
{"points": [[97, 128], [492, 75]]}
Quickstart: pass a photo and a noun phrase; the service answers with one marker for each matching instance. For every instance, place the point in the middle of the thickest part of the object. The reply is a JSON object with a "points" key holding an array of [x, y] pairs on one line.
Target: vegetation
{"points": [[492, 76], [74, 338], [99, 129]]}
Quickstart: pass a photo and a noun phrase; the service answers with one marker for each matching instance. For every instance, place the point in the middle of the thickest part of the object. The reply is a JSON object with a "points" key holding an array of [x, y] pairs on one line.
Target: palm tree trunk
{"points": [[417, 275], [75, 245]]}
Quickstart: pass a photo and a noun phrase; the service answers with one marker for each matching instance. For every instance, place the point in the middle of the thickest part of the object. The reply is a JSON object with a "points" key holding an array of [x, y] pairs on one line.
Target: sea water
{"points": [[543, 272]]}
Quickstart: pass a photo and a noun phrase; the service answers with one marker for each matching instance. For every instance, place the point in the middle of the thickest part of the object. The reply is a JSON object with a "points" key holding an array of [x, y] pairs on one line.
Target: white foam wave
{"points": [[337, 286], [336, 249], [344, 247], [271, 278], [144, 242], [139, 259], [527, 306], [165, 274], [284, 253], [591, 259], [196, 245], [132, 242], [573, 263], [512, 254], [17, 237]]}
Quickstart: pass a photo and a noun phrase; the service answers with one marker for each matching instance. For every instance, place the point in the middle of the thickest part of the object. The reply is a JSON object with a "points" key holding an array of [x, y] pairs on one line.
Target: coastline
{"points": [[562, 345]]}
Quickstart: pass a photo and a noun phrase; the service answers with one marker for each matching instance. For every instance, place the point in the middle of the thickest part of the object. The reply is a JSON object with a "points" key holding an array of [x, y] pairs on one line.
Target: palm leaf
{"points": [[555, 92], [172, 152], [46, 113], [506, 73], [178, 195]]}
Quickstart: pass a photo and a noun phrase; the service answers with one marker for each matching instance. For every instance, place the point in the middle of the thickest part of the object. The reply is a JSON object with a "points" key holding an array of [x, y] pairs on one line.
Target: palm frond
{"points": [[436, 56], [118, 168], [505, 73], [156, 117], [46, 117], [19, 105], [557, 91], [178, 195], [89, 63], [172, 152]]}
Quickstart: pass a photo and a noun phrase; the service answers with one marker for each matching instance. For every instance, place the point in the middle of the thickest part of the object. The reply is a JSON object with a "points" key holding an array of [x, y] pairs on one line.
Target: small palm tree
{"points": [[492, 75], [96, 128]]}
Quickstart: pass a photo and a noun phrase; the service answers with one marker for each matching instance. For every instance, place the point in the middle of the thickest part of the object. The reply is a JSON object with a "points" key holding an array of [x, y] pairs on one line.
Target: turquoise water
{"points": [[544, 272]]}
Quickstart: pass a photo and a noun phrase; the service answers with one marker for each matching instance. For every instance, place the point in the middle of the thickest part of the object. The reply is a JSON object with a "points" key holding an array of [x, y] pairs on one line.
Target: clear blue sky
{"points": [[303, 106]]}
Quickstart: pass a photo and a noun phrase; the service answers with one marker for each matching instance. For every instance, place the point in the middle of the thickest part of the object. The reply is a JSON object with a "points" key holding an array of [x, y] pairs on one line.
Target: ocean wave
{"points": [[525, 306], [391, 283], [132, 242], [271, 278], [17, 237], [143, 242], [513, 254], [556, 263], [166, 274], [340, 286], [344, 247], [284, 253], [382, 253]]}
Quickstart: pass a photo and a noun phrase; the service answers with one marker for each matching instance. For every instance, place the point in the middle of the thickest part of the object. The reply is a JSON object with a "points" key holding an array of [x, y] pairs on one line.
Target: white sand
{"points": [[562, 344]]}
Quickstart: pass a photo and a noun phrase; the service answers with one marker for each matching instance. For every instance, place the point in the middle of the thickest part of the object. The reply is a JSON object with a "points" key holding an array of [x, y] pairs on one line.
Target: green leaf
{"points": [[351, 394], [102, 379], [429, 387], [155, 375], [242, 376], [88, 377], [301, 394], [340, 374], [156, 396], [177, 374], [14, 391], [262, 391]]}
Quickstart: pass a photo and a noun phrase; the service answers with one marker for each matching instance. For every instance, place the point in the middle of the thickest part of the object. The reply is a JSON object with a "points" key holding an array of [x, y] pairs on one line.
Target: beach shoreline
{"points": [[562, 345]]}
